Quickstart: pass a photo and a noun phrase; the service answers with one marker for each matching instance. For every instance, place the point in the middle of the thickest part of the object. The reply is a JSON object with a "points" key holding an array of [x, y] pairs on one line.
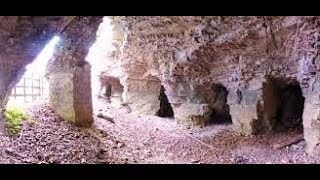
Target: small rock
{"points": [[110, 119], [83, 160], [195, 160], [27, 160], [103, 149], [9, 150], [149, 154], [240, 160], [120, 145]]}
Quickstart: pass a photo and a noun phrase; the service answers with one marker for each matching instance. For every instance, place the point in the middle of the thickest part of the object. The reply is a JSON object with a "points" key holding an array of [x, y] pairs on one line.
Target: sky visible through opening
{"points": [[36, 71], [38, 66], [98, 53]]}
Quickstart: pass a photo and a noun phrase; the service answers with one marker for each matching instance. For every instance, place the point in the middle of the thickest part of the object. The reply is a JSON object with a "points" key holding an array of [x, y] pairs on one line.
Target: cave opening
{"points": [[220, 109], [105, 76], [110, 87], [283, 105], [165, 106], [98, 55], [33, 86]]}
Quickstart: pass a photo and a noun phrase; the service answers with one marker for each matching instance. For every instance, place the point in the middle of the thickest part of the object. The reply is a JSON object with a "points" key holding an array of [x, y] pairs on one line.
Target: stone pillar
{"points": [[70, 95], [61, 95], [311, 118], [191, 114], [69, 74], [191, 104], [142, 95], [82, 95], [245, 107]]}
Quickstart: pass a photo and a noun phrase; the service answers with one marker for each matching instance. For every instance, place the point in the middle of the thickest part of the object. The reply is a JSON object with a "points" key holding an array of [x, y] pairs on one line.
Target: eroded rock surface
{"points": [[69, 74], [188, 55]]}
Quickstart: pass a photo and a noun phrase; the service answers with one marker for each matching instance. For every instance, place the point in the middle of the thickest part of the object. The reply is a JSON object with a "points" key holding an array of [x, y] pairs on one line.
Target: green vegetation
{"points": [[14, 116]]}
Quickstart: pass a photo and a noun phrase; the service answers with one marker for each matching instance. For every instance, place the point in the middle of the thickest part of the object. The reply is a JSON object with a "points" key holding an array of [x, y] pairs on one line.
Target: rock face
{"points": [[22, 39], [266, 68], [68, 72], [142, 96], [188, 56]]}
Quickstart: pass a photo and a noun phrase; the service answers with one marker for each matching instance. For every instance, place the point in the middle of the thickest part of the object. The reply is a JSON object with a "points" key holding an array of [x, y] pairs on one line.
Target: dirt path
{"points": [[152, 139], [139, 139]]}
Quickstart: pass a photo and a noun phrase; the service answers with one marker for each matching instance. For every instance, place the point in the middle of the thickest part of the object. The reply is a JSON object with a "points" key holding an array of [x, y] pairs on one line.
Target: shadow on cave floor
{"points": [[143, 139], [151, 139]]}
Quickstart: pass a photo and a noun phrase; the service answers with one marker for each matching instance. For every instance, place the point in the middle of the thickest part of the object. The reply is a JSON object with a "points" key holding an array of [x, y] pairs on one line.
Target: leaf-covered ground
{"points": [[138, 139]]}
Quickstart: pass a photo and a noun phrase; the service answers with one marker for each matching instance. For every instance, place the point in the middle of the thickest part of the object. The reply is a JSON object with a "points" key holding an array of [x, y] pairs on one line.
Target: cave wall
{"points": [[142, 96], [307, 53], [22, 39], [69, 74], [186, 55], [190, 53]]}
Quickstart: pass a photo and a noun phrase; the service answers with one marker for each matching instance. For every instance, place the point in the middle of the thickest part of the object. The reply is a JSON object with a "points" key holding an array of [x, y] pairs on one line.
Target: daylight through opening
{"points": [[33, 86], [98, 55]]}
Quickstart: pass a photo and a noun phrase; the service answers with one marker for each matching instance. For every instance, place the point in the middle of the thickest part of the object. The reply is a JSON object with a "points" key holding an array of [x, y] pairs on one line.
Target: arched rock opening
{"points": [[165, 106], [220, 109], [283, 105], [23, 47], [111, 87]]}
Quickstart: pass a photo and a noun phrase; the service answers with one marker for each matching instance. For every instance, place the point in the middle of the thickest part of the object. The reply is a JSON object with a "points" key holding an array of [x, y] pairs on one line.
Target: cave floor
{"points": [[139, 139]]}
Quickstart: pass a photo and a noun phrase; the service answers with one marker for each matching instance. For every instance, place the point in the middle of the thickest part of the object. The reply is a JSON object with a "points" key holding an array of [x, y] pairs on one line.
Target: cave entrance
{"points": [[110, 87], [283, 105], [165, 106], [220, 110], [33, 86], [105, 73]]}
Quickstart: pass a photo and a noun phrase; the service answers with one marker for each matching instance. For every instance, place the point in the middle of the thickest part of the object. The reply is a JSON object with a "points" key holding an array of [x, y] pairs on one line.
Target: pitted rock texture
{"points": [[73, 103], [188, 55]]}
